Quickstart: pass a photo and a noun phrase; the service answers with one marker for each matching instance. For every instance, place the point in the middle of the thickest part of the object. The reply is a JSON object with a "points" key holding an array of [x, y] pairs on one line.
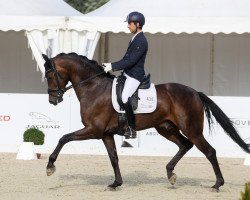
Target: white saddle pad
{"points": [[147, 99]]}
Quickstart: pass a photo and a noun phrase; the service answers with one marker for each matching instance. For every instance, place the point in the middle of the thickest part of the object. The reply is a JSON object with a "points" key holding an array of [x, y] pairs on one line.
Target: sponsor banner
{"points": [[4, 118], [241, 122], [236, 108], [27, 111], [21, 111]]}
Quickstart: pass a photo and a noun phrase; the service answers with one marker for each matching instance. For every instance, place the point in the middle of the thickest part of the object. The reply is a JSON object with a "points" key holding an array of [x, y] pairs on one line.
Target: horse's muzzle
{"points": [[55, 100]]}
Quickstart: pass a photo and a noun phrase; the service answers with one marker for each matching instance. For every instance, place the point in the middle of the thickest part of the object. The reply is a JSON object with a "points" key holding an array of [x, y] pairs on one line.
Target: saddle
{"points": [[144, 100], [145, 84]]}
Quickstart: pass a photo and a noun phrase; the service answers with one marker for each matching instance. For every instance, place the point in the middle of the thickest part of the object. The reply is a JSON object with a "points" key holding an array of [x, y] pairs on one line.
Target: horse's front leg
{"points": [[109, 142], [83, 134]]}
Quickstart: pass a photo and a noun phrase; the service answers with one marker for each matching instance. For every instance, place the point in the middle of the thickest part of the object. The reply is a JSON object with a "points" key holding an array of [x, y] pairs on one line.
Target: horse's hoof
{"points": [[113, 186], [110, 188], [214, 189], [172, 179], [50, 170]]}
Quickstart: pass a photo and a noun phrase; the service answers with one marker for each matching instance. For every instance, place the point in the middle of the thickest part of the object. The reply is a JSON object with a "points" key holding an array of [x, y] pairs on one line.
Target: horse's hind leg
{"points": [[172, 133], [201, 143]]}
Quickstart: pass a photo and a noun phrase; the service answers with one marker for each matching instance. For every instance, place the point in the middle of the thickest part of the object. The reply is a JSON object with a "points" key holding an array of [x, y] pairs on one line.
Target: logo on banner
{"points": [[152, 133], [39, 116], [4, 118], [43, 121], [241, 122]]}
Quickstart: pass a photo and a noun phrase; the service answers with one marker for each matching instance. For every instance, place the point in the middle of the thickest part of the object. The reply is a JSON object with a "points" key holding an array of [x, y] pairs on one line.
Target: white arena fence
{"points": [[21, 111]]}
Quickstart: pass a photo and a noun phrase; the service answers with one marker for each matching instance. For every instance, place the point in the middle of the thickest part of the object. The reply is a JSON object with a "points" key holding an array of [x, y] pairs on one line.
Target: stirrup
{"points": [[130, 133]]}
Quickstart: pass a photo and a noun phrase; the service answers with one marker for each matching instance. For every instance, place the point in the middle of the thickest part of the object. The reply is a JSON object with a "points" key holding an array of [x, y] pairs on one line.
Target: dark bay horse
{"points": [[178, 117]]}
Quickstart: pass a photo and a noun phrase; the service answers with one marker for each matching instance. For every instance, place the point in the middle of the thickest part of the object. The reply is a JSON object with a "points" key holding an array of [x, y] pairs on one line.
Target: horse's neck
{"points": [[76, 77], [89, 91]]}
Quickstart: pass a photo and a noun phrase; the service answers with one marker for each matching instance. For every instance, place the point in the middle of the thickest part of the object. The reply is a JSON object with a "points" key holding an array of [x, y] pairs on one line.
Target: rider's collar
{"points": [[135, 35]]}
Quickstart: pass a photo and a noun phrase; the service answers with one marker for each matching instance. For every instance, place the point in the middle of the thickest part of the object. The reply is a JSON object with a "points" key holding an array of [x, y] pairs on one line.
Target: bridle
{"points": [[59, 91]]}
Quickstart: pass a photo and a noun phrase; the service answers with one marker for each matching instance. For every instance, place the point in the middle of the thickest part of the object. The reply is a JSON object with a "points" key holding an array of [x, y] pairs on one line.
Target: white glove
{"points": [[107, 67]]}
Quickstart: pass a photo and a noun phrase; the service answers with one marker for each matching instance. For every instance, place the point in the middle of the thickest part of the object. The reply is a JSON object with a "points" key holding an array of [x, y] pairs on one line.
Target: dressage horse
{"points": [[178, 116]]}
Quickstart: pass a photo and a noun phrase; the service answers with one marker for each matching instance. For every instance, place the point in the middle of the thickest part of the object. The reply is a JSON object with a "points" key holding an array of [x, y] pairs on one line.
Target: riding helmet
{"points": [[136, 17]]}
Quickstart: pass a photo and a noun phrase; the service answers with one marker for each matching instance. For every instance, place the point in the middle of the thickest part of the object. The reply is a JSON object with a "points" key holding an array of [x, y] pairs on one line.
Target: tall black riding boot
{"points": [[122, 121], [130, 133]]}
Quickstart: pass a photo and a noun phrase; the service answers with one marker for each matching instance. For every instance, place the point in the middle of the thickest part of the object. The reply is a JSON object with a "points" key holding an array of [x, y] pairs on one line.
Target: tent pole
{"points": [[211, 78], [103, 48], [106, 50]]}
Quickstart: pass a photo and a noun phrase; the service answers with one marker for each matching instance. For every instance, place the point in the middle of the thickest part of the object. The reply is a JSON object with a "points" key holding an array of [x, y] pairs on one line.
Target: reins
{"points": [[82, 82]]}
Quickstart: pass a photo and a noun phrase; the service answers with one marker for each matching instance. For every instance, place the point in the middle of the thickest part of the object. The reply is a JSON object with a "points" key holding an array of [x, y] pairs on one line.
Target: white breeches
{"points": [[130, 87]]}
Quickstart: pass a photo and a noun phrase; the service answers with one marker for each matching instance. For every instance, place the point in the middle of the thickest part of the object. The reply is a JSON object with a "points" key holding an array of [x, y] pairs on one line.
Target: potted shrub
{"points": [[246, 194], [34, 135]]}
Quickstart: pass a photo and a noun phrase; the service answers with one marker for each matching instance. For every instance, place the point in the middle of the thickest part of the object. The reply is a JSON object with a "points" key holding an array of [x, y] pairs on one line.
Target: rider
{"points": [[132, 65]]}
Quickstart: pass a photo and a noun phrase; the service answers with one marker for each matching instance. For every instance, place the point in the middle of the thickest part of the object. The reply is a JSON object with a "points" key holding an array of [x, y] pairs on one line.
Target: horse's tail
{"points": [[223, 120]]}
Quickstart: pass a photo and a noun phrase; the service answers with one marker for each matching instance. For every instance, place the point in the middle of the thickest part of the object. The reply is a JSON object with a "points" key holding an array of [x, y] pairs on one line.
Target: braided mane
{"points": [[86, 62]]}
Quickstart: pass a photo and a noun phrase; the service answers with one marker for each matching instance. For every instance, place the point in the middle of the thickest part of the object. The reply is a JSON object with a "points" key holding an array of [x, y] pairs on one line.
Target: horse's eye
{"points": [[48, 78]]}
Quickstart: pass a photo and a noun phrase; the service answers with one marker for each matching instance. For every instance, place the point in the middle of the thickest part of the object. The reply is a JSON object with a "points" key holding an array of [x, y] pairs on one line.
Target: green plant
{"points": [[34, 135], [86, 5], [246, 195]]}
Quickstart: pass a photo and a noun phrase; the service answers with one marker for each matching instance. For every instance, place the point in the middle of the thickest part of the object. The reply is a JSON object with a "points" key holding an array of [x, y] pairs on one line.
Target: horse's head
{"points": [[77, 69], [56, 82]]}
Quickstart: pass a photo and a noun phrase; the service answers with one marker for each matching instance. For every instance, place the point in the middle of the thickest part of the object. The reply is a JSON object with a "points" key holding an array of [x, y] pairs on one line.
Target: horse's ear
{"points": [[45, 57], [47, 63]]}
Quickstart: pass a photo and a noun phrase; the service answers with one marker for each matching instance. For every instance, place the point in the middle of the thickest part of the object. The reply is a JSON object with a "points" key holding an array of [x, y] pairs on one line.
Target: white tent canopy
{"points": [[204, 44], [176, 16], [49, 26], [186, 38], [39, 14]]}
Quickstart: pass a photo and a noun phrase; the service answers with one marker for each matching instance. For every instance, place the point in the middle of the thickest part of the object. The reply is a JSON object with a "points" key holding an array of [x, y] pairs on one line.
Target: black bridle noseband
{"points": [[59, 92]]}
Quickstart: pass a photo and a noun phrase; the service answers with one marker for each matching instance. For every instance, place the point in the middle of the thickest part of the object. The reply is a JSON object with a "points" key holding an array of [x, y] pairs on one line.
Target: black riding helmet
{"points": [[136, 17]]}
